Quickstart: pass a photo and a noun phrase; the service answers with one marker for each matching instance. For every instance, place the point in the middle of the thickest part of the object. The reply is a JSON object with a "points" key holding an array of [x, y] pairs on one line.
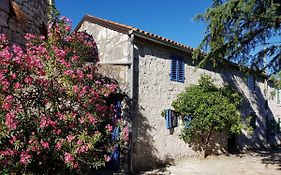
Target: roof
{"points": [[126, 29]]}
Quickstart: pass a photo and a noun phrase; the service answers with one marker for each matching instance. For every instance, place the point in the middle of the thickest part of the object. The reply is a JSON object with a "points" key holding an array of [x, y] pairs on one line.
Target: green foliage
{"points": [[238, 28], [212, 109]]}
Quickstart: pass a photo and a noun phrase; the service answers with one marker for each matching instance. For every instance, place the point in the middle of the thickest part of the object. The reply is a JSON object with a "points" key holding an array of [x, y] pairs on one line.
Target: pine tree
{"points": [[242, 31]]}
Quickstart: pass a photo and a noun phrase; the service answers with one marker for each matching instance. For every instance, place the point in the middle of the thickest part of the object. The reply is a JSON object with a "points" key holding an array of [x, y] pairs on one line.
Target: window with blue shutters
{"points": [[177, 69], [168, 117], [171, 119], [186, 121]]}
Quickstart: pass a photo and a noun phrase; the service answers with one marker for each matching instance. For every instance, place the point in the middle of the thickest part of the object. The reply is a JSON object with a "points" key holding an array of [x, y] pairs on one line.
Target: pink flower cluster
{"points": [[54, 106]]}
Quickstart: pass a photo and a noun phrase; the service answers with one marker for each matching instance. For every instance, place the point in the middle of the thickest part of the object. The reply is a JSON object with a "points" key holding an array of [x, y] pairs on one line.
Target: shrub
{"points": [[212, 108], [54, 116]]}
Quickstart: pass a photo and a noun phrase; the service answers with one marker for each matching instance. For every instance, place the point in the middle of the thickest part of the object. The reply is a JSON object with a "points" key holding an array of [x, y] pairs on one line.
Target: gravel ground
{"points": [[256, 162]]}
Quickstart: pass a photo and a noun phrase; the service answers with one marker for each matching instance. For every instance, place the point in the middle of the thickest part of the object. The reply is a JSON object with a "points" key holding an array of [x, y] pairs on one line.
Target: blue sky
{"points": [[167, 18]]}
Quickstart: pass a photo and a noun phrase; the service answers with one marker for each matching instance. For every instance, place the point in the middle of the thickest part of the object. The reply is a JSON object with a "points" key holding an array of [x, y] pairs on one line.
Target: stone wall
{"points": [[153, 144], [113, 48], [29, 17]]}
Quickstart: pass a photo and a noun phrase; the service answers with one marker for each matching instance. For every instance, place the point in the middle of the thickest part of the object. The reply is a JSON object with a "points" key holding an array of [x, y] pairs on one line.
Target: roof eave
{"points": [[104, 23], [162, 42]]}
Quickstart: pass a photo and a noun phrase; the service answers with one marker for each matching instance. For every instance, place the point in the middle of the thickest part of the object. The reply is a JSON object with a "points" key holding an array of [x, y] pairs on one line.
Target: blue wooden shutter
{"points": [[187, 120], [174, 68], [174, 119], [180, 70], [168, 116], [177, 69]]}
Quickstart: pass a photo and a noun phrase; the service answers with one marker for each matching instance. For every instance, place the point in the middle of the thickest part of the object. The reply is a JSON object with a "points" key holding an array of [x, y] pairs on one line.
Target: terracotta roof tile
{"points": [[126, 29]]}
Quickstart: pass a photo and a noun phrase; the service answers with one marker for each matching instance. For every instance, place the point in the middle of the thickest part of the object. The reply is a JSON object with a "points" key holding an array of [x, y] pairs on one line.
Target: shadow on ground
{"points": [[270, 156]]}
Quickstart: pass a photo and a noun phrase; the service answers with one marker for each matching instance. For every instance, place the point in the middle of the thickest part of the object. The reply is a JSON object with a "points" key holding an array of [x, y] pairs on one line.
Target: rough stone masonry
{"points": [[18, 17]]}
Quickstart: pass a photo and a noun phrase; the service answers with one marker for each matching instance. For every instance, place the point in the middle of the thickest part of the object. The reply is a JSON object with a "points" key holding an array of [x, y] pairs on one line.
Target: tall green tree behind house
{"points": [[213, 109], [242, 31]]}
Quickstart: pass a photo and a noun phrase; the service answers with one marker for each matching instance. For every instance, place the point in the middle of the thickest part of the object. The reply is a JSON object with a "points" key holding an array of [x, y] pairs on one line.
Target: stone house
{"points": [[18, 17], [152, 70]]}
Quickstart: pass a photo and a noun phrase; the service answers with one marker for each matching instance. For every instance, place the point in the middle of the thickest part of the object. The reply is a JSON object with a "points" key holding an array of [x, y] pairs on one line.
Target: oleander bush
{"points": [[54, 114]]}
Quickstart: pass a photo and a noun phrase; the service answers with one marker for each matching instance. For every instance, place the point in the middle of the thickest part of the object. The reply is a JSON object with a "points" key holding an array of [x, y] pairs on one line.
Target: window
{"points": [[171, 119], [251, 82], [177, 69], [186, 121]]}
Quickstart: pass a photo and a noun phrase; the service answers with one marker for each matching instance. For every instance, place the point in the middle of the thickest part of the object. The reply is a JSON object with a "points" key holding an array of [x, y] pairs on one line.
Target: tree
{"points": [[237, 30], [54, 113], [213, 109]]}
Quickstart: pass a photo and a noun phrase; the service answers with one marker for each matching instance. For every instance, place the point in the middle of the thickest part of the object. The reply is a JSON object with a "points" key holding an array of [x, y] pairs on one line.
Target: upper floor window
{"points": [[177, 69], [251, 82]]}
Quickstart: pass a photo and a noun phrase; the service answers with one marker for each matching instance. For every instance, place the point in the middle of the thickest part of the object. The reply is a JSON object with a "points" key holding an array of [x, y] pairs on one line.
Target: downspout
{"points": [[131, 52]]}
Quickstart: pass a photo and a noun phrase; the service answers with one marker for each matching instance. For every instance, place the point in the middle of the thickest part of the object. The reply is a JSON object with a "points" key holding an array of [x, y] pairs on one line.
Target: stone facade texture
{"points": [[156, 92], [152, 144], [113, 48], [35, 18]]}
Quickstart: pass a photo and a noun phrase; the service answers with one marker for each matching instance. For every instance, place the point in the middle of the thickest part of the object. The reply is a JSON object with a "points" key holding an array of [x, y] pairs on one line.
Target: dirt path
{"points": [[262, 162]]}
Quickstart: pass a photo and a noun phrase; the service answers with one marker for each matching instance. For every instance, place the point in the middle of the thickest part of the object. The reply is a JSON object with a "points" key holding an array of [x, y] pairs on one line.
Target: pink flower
{"points": [[61, 116], [68, 158], [68, 72], [28, 80], [108, 127], [82, 120], [13, 140], [45, 144], [79, 142], [82, 149], [10, 121], [3, 38], [107, 158], [58, 131], [25, 158], [17, 86], [75, 58], [90, 76], [91, 118], [7, 152], [44, 122], [68, 28], [70, 138], [13, 76], [5, 83], [58, 145], [29, 36], [6, 106], [68, 38], [64, 18], [80, 74], [126, 133]]}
